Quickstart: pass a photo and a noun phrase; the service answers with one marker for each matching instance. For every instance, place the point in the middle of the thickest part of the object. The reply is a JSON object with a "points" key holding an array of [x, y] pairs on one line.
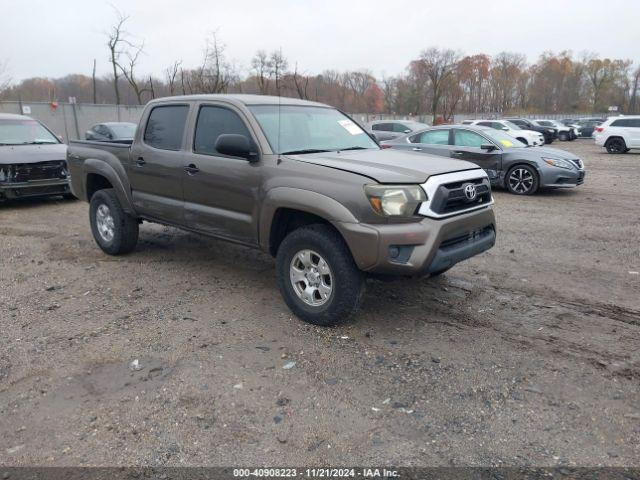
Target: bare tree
{"points": [[262, 68], [438, 65], [214, 73], [279, 67], [171, 74], [132, 52], [301, 83], [116, 42]]}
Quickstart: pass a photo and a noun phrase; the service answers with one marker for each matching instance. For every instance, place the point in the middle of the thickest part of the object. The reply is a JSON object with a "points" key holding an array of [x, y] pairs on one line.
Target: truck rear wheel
{"points": [[318, 277], [113, 229]]}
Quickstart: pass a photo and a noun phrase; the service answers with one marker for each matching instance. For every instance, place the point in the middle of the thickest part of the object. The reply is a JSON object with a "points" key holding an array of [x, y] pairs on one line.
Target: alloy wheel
{"points": [[105, 223], [521, 180], [311, 278]]}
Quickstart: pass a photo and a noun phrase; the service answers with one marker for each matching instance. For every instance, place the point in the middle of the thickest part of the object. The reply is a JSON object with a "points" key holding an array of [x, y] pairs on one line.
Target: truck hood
{"points": [[387, 165], [12, 154]]}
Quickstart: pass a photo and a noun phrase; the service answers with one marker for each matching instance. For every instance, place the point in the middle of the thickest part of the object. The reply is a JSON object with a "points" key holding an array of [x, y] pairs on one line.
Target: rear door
{"points": [[157, 162], [434, 142], [384, 131], [220, 192], [466, 146], [633, 132]]}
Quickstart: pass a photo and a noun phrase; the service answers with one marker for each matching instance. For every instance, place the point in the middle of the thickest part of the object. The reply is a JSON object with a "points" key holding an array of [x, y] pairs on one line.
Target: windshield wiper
{"points": [[352, 148], [307, 150]]}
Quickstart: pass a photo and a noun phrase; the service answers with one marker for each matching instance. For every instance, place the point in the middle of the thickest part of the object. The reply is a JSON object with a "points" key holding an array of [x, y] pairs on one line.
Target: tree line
{"points": [[439, 82]]}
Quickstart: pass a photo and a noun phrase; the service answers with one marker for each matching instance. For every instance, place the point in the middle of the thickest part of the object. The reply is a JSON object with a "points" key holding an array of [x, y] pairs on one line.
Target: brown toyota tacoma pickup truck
{"points": [[297, 179]]}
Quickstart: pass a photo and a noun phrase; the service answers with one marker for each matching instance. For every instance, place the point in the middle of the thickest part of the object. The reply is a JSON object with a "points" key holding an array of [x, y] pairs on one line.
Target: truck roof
{"points": [[244, 99]]}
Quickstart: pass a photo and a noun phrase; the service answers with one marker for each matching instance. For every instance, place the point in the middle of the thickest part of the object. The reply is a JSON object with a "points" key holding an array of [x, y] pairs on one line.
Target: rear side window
{"points": [[165, 127], [213, 122], [626, 122], [432, 137], [383, 127], [400, 128], [466, 138], [486, 124]]}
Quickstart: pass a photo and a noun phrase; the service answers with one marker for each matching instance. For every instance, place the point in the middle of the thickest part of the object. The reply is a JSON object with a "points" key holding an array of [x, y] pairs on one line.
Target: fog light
{"points": [[394, 252]]}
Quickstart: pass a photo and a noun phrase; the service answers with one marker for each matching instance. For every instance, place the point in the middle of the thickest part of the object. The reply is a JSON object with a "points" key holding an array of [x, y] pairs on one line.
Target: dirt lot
{"points": [[526, 355]]}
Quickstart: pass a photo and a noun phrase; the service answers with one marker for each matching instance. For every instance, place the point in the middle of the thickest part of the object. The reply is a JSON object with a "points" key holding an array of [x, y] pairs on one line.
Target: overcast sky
{"points": [[54, 38]]}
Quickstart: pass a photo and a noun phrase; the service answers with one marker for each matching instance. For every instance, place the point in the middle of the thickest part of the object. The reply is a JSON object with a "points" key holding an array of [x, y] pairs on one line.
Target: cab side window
{"points": [[467, 138], [432, 137], [165, 127], [213, 122]]}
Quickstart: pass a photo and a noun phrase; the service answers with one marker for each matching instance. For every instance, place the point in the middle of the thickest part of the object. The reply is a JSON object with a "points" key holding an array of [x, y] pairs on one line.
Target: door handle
{"points": [[191, 169], [457, 154], [416, 149], [140, 162]]}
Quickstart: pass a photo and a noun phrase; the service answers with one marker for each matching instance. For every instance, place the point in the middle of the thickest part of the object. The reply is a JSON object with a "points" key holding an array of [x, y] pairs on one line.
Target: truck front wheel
{"points": [[318, 277], [113, 229]]}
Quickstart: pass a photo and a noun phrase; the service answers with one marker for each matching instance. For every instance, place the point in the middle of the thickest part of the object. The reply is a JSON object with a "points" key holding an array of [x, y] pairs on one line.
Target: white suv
{"points": [[528, 137], [619, 134]]}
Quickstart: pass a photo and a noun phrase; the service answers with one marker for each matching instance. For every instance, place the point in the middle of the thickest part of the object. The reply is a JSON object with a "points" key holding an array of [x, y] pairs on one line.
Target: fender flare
{"points": [[116, 176], [298, 199]]}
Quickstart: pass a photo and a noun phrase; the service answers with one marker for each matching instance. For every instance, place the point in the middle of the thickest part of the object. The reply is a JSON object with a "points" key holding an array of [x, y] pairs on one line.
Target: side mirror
{"points": [[489, 147], [236, 146], [406, 131]]}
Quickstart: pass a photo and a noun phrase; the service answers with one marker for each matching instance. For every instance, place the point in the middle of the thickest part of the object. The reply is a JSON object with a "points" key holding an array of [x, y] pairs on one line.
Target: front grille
{"points": [[446, 193], [28, 172], [451, 198]]}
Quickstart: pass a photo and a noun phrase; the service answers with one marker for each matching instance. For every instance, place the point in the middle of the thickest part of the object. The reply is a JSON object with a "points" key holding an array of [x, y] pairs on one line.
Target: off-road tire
{"points": [[348, 282], [535, 183], [616, 145], [125, 227]]}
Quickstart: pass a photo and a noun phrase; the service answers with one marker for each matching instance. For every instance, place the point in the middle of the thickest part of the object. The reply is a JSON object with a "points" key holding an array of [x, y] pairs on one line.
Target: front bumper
{"points": [[34, 188], [561, 178], [419, 248]]}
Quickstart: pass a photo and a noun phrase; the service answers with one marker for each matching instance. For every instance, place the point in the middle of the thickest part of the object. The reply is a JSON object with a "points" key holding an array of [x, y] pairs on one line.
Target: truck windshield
{"points": [[24, 132], [307, 129]]}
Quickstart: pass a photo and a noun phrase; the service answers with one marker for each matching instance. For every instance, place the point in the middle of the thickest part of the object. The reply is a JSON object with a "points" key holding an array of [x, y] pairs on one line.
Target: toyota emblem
{"points": [[470, 192]]}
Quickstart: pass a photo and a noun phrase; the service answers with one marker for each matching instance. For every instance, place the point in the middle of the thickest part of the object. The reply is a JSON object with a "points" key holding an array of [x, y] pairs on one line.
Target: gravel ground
{"points": [[525, 355]]}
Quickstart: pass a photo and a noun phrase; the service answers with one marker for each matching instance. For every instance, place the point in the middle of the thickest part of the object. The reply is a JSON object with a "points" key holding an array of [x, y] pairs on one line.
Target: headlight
{"points": [[395, 200], [557, 162], [549, 130]]}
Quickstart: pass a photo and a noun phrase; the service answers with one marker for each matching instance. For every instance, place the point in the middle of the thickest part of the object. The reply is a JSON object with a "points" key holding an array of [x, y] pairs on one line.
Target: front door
{"points": [[220, 192], [467, 146], [156, 164]]}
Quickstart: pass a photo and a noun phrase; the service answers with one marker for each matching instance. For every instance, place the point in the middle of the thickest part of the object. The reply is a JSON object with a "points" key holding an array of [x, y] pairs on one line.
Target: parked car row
{"points": [[509, 163]]}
